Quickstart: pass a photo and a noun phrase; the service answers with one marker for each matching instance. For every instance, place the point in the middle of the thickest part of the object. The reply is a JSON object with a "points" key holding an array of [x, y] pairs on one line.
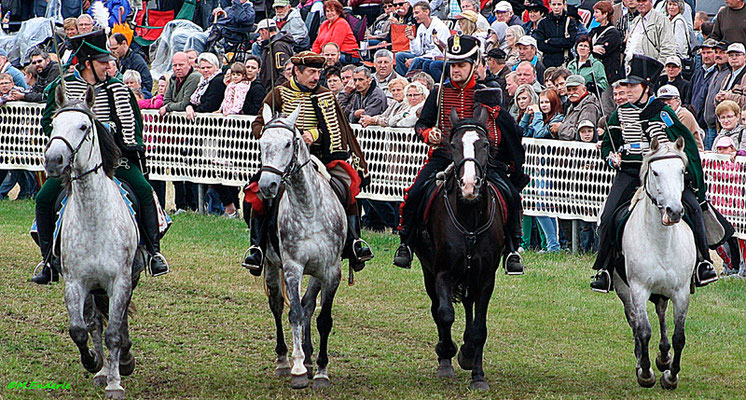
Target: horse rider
{"points": [[505, 168], [116, 106], [331, 139], [630, 131]]}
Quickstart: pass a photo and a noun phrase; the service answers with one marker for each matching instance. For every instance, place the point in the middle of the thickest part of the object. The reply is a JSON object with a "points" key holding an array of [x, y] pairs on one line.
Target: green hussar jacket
{"points": [[125, 120], [630, 124]]}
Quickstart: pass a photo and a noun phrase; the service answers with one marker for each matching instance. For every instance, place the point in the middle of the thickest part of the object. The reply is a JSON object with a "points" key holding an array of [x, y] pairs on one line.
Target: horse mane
{"points": [[663, 150]]}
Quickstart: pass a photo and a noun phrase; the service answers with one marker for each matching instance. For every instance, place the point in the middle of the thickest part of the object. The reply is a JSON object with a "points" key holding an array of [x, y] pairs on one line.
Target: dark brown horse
{"points": [[461, 246]]}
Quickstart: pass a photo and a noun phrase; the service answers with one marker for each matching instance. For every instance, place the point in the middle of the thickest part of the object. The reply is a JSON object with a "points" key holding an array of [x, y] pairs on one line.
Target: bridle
{"points": [[479, 167], [86, 138], [647, 174], [293, 167]]}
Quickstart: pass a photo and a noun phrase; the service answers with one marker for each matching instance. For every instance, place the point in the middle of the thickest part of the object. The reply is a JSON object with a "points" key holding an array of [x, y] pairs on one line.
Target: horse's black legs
{"points": [[276, 304], [670, 379], [309, 306], [479, 333], [445, 369], [663, 361], [324, 325], [466, 352], [645, 374], [446, 348], [75, 296]]}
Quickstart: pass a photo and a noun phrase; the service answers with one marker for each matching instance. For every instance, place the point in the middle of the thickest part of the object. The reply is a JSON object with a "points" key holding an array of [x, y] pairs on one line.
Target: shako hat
{"points": [[462, 48], [642, 69], [91, 46]]}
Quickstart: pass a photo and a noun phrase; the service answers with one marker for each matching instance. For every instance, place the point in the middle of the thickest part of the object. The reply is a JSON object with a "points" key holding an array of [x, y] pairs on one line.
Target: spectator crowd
{"points": [[558, 65]]}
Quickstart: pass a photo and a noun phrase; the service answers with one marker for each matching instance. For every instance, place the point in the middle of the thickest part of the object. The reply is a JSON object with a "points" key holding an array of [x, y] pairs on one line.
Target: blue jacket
{"points": [[18, 78], [698, 89]]}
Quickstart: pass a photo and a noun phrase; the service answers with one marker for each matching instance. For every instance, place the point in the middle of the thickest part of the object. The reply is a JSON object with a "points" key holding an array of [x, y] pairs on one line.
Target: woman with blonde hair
{"points": [[415, 94], [509, 46], [524, 98], [728, 115]]}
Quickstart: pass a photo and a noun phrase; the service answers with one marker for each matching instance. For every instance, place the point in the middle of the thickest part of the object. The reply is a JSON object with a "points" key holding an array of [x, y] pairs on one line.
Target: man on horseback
{"points": [[116, 106], [331, 139], [462, 93], [630, 131]]}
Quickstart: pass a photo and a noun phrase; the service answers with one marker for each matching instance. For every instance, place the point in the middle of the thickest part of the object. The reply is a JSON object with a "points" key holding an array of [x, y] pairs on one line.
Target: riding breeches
{"points": [[513, 226], [45, 199]]}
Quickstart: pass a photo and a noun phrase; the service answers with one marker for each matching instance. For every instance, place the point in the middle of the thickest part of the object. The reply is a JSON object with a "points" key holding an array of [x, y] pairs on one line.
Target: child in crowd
{"points": [[235, 93], [551, 109], [30, 74], [156, 101], [586, 131], [6, 86]]}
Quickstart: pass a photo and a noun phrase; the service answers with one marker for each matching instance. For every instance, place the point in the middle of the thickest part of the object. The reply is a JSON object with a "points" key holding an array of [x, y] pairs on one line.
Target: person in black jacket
{"points": [[130, 59], [48, 71], [607, 41], [211, 88], [277, 48], [254, 97], [556, 35]]}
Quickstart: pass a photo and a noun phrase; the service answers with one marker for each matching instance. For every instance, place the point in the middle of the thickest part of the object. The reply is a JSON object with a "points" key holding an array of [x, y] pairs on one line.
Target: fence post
{"points": [[575, 236]]}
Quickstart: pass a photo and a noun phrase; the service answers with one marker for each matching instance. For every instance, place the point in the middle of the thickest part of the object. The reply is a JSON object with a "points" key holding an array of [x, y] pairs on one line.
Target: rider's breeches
{"points": [[48, 193], [514, 225], [438, 161], [625, 184]]}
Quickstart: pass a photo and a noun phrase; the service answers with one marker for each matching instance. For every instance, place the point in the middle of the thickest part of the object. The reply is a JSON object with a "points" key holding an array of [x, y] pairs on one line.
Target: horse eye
{"points": [[287, 145], [655, 173], [83, 127]]}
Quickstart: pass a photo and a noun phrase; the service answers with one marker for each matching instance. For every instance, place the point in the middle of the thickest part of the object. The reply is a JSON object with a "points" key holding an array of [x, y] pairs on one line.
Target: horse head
{"points": [[662, 176], [73, 132], [470, 148], [280, 144]]}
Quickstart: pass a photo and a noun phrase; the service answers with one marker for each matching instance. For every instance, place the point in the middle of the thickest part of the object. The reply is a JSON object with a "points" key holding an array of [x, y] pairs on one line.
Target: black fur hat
{"points": [[491, 97]]}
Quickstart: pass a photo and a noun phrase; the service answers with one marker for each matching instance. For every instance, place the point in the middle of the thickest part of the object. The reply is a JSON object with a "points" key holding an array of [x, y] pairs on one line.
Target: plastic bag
{"points": [[32, 33], [174, 38]]}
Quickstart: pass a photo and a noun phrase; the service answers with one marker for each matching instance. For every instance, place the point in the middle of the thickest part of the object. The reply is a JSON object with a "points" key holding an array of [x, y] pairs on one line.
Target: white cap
{"points": [[736, 47], [673, 60], [266, 24], [527, 40], [503, 6], [668, 92], [585, 124]]}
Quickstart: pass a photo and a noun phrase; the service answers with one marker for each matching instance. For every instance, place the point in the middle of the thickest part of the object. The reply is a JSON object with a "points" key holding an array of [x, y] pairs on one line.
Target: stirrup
{"points": [[701, 283], [153, 258], [363, 245], [252, 267], [41, 265], [520, 262], [406, 264], [598, 276]]}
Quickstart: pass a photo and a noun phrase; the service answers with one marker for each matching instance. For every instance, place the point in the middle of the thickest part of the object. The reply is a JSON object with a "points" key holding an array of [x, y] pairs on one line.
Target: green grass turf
{"points": [[205, 330]]}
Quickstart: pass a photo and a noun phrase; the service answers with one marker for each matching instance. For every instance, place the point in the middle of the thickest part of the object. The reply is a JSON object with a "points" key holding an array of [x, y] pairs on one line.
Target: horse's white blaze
{"points": [[667, 187], [469, 178]]}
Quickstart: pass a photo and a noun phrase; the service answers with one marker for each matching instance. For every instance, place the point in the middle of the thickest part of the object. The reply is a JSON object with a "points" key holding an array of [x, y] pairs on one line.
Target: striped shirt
{"points": [[636, 130]]}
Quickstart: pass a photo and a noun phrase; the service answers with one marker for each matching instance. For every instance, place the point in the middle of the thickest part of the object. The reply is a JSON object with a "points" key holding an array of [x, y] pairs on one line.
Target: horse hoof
{"points": [[309, 371], [466, 363], [661, 364], [445, 369], [127, 367], [299, 381], [668, 381], [97, 364], [321, 382], [479, 385], [99, 380], [115, 394], [646, 380], [283, 372]]}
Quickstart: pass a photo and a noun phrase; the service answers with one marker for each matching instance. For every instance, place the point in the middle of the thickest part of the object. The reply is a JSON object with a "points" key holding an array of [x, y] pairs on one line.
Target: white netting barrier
{"points": [[569, 180]]}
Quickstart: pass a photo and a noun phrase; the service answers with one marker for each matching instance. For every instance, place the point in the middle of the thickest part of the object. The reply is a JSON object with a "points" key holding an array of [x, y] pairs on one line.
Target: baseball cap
{"points": [[673, 60], [725, 141], [574, 80], [585, 124], [668, 92], [527, 40], [468, 14], [736, 48], [709, 43], [266, 24], [280, 3], [503, 6]]}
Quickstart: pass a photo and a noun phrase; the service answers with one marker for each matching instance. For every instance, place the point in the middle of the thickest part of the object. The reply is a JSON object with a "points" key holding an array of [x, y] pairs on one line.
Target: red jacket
{"points": [[339, 33]]}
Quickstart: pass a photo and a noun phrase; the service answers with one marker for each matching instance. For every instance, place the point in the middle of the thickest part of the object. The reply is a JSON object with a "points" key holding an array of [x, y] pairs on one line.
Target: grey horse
{"points": [[98, 239], [311, 231]]}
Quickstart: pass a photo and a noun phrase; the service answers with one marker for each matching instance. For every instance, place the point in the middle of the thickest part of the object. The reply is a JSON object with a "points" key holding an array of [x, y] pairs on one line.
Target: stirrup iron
{"points": [[600, 273], [246, 253], [354, 252], [158, 256]]}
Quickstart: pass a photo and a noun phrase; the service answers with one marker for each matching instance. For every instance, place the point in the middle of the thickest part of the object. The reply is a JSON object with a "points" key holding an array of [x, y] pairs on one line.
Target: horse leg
{"points": [[670, 378], [663, 360], [645, 374], [96, 330], [293, 277], [118, 302], [276, 304], [479, 333], [446, 348], [324, 325], [445, 369], [623, 292], [75, 299], [309, 306], [466, 352], [127, 360]]}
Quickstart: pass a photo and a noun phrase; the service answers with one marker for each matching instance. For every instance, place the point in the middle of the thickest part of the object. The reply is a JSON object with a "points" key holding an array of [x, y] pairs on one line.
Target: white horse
{"points": [[98, 239], [660, 255], [311, 231]]}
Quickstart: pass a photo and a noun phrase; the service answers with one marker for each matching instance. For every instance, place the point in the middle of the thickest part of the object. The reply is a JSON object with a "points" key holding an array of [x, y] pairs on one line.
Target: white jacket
{"points": [[423, 46]]}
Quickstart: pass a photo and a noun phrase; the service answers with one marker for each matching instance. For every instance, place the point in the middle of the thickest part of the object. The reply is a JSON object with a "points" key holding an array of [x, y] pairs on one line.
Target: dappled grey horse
{"points": [[98, 239], [311, 230], [660, 255]]}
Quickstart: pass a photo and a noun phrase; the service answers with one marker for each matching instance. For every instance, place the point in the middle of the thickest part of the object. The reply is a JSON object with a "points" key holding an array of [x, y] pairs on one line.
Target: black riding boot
{"points": [[403, 256], [254, 256], [149, 222], [45, 230], [356, 249], [704, 273], [513, 262]]}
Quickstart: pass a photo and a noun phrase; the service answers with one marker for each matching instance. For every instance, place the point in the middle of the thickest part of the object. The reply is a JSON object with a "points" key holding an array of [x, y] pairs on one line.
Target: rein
{"points": [[647, 173], [293, 167], [74, 150]]}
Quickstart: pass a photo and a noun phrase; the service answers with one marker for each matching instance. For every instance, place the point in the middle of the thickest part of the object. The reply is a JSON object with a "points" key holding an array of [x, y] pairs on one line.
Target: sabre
{"points": [[440, 87]]}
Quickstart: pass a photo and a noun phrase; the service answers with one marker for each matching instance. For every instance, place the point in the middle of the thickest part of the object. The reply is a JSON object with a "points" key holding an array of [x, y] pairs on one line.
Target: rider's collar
{"points": [[641, 106], [469, 84], [297, 86]]}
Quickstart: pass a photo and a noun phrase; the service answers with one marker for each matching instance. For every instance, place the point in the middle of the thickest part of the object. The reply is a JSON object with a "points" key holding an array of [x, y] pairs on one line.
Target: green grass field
{"points": [[205, 330]]}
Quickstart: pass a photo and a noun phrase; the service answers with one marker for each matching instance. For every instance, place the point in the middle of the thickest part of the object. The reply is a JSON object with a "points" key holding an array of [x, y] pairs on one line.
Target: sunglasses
{"points": [[37, 62], [399, 4]]}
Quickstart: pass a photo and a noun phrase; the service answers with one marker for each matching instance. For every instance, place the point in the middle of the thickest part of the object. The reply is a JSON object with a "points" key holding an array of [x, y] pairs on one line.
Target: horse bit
{"points": [[74, 150], [293, 167]]}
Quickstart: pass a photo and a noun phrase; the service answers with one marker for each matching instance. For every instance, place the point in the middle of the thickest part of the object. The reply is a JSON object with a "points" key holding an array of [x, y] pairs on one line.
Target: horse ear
{"points": [[654, 145], [454, 116], [293, 117], [90, 97], [266, 113], [679, 145], [59, 95], [481, 115]]}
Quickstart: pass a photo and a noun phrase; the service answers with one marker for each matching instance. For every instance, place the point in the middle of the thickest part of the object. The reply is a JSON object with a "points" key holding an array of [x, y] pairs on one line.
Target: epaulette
{"points": [[667, 119]]}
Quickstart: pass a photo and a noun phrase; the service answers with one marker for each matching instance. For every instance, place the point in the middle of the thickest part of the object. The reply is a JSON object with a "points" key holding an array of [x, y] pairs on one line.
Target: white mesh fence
{"points": [[569, 180]]}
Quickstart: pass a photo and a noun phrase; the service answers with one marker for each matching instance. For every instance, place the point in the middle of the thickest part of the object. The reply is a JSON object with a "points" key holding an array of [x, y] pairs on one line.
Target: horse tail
{"points": [[102, 305], [282, 287]]}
